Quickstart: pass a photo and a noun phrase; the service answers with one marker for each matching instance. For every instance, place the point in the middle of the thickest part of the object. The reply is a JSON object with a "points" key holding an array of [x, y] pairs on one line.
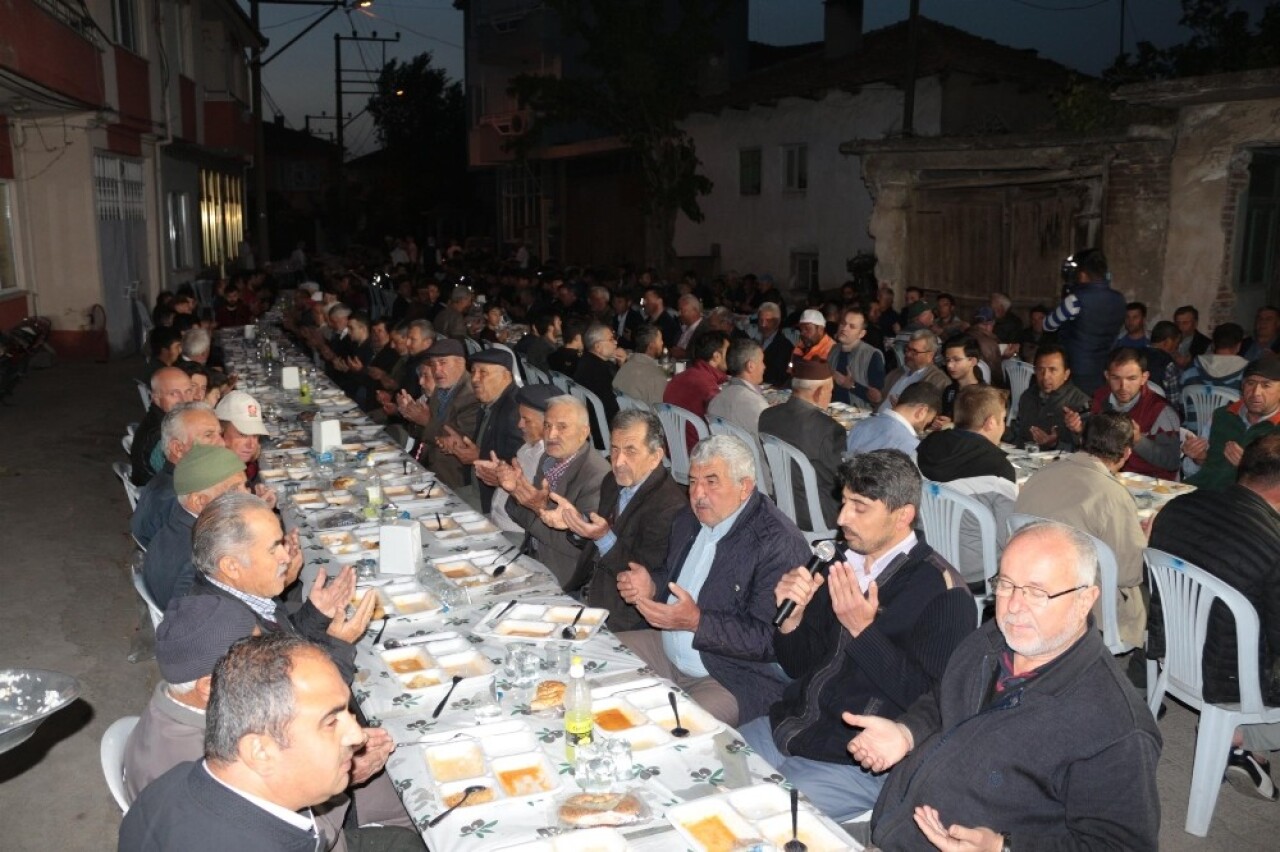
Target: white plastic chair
{"points": [[561, 381], [472, 346], [124, 471], [782, 456], [131, 429], [1107, 584], [127, 443], [674, 419], [595, 409], [1018, 374], [1200, 401], [626, 401], [1187, 593], [111, 753], [720, 426], [144, 393], [140, 586], [515, 373], [535, 375], [942, 512]]}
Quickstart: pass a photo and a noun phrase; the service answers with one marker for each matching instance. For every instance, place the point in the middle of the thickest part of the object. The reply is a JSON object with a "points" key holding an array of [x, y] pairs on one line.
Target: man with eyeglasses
{"points": [[1034, 738], [919, 367]]}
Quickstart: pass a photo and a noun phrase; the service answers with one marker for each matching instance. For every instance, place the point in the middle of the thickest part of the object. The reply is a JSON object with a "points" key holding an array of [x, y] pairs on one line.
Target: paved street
{"points": [[64, 547]]}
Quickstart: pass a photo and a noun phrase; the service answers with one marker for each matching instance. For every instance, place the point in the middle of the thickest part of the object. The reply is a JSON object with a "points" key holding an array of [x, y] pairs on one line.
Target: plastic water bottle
{"points": [[578, 721]]}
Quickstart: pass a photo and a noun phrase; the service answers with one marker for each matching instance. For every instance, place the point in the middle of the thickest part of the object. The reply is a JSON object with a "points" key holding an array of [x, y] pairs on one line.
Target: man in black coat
{"points": [[169, 387], [497, 435], [777, 348], [596, 369], [638, 500], [803, 422]]}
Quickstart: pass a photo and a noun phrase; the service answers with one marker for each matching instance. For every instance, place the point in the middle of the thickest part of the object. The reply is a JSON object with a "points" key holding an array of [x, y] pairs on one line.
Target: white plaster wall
{"points": [[759, 233], [1208, 137]]}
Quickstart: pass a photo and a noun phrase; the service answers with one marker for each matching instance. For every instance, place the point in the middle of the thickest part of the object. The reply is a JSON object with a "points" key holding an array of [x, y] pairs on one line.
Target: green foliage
{"points": [[642, 62], [1222, 41], [428, 111], [1085, 106]]}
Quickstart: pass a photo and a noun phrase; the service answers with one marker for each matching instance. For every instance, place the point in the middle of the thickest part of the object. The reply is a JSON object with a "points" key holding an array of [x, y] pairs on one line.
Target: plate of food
{"points": [[542, 622]]}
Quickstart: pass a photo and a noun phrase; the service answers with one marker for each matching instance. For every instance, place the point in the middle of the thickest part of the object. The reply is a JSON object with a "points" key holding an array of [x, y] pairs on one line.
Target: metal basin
{"points": [[27, 698]]}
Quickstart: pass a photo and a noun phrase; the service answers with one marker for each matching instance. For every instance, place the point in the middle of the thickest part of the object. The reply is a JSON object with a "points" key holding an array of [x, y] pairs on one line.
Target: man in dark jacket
{"points": [[638, 501], [596, 369], [1040, 408], [1234, 534], [803, 422], [497, 436], [876, 635], [777, 348], [241, 554], [712, 598], [169, 387], [1034, 738], [1089, 317]]}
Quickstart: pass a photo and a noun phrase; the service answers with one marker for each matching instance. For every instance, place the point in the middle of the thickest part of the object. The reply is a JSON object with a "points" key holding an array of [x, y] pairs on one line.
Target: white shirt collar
{"points": [[858, 562], [295, 819]]}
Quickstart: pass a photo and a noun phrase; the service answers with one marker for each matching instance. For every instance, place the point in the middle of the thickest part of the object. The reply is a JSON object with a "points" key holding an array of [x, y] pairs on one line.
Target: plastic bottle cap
{"points": [[576, 668]]}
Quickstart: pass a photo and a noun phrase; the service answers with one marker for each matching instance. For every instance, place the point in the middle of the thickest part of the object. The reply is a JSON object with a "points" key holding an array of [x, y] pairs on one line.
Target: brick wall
{"points": [[1224, 298], [1136, 216]]}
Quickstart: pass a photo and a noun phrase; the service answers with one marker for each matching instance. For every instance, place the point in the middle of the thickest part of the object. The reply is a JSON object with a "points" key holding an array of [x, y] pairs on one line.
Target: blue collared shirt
{"points": [[678, 644], [609, 539]]}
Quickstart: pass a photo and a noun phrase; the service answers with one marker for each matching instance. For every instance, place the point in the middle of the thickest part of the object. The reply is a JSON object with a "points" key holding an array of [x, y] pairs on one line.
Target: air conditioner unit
{"points": [[508, 123]]}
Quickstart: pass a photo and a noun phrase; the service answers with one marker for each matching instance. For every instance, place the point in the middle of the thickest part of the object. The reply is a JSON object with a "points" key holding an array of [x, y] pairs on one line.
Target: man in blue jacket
{"points": [[712, 601], [1089, 318], [874, 633]]}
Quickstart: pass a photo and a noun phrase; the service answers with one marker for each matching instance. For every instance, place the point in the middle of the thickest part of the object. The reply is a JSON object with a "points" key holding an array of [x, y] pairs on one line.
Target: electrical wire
{"points": [[369, 13], [1044, 8], [307, 17]]}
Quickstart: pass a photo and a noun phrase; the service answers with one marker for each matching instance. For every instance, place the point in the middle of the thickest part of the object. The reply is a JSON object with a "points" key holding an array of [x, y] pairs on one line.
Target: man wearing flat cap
{"points": [[531, 416], [205, 473], [497, 435], [803, 422], [452, 403], [196, 632], [1235, 426]]}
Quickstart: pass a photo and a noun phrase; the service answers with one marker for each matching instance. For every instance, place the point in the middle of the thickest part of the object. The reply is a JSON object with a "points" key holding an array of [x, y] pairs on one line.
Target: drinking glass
{"points": [[522, 666]]}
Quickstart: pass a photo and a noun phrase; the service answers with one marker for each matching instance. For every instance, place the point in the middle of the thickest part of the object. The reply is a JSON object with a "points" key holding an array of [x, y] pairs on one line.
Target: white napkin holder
{"points": [[325, 435], [290, 378], [250, 331], [400, 547]]}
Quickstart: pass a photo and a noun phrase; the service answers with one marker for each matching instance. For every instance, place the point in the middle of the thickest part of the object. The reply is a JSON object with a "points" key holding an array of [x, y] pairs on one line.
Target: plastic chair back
{"points": [[626, 402], [674, 419], [516, 364], [144, 392], [111, 753], [140, 586], [561, 381], [720, 426], [595, 409], [124, 471], [783, 460], [1187, 594], [1200, 401], [534, 375], [942, 512], [1019, 375]]}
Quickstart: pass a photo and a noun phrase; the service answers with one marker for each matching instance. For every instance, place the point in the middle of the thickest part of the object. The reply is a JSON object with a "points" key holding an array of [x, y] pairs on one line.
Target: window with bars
{"points": [[749, 167], [804, 270], [120, 191], [795, 167], [124, 20]]}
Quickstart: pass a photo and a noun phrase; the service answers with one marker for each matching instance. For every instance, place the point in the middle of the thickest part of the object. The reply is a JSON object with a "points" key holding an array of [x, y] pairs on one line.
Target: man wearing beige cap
{"points": [[204, 474], [242, 426], [802, 421], [815, 344]]}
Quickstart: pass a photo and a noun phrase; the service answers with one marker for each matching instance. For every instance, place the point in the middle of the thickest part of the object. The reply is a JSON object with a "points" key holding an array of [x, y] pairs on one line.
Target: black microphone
{"points": [[823, 552]]}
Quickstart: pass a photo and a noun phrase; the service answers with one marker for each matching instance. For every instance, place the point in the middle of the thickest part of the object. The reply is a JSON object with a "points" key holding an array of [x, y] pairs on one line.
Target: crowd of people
{"points": [[879, 691]]}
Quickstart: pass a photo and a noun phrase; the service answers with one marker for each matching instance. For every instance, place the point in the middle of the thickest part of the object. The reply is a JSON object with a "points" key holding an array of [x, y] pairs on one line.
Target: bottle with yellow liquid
{"points": [[578, 721]]}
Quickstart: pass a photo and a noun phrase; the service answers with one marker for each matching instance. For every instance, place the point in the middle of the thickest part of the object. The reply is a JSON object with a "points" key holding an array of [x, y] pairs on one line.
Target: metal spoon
{"points": [[794, 844], [383, 629], [474, 788], [569, 632], [435, 714], [502, 569], [679, 730]]}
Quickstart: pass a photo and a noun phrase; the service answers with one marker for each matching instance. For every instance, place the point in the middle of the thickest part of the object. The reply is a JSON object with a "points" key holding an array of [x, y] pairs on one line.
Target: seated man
{"points": [[1221, 368], [279, 740], [1042, 406], [569, 467], [1155, 423], [919, 367], [777, 348], [694, 389], [183, 427], [712, 598], [803, 422], [531, 414], [1234, 534], [497, 435], [597, 368], [1068, 761], [242, 554], [968, 459], [858, 367], [814, 343], [874, 634], [203, 475], [452, 403], [642, 377], [170, 387], [1082, 490], [638, 500], [1237, 425], [741, 400], [899, 427], [242, 430]]}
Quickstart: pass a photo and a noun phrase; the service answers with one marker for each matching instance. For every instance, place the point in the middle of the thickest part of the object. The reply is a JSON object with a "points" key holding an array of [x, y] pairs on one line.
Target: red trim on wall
{"points": [[227, 124], [187, 100], [133, 90], [78, 345], [12, 311], [6, 150], [122, 140], [48, 52]]}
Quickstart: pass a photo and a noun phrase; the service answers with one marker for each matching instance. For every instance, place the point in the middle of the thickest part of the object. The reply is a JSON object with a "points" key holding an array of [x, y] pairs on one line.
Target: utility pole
{"points": [[370, 87], [1120, 55]]}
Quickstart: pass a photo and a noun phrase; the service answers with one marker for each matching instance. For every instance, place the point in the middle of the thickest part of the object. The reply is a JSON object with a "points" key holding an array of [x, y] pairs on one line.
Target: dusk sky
{"points": [[1083, 34]]}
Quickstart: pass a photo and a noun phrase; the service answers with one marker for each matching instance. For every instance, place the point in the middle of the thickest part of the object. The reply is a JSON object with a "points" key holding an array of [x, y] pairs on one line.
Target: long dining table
{"points": [[452, 610]]}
